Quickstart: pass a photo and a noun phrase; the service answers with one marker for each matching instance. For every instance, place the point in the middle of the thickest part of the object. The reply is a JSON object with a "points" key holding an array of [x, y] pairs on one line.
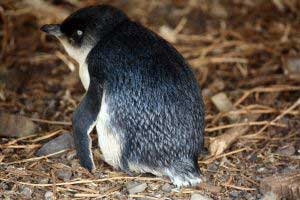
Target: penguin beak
{"points": [[52, 29]]}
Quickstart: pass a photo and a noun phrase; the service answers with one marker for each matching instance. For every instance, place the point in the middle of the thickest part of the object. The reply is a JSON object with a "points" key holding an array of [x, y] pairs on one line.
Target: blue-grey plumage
{"points": [[141, 95]]}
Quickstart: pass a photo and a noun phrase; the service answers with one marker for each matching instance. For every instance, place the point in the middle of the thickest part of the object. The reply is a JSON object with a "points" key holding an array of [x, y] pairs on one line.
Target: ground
{"points": [[246, 50]]}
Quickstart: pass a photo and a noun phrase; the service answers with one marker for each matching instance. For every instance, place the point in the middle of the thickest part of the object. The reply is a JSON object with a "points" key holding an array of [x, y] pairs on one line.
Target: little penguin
{"points": [[141, 96]]}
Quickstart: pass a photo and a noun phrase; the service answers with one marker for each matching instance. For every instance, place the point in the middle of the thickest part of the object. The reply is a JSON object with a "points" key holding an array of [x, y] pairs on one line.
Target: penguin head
{"points": [[81, 31]]}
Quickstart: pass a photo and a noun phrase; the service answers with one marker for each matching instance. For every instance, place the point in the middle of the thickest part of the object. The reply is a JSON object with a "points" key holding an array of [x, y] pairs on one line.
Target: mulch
{"points": [[247, 50]]}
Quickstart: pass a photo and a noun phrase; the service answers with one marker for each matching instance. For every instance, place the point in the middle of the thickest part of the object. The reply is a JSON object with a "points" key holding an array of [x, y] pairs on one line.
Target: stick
{"points": [[51, 122], [87, 181], [257, 123], [35, 159]]}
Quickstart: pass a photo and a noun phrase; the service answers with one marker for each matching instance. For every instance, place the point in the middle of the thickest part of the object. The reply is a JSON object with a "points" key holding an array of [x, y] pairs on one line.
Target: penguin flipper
{"points": [[84, 120]]}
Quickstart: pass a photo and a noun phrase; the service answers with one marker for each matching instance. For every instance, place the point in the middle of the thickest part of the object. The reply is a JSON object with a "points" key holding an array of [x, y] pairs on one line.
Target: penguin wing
{"points": [[84, 120]]}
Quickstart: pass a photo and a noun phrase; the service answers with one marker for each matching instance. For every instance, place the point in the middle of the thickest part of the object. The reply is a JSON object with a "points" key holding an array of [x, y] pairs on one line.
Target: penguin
{"points": [[141, 96]]}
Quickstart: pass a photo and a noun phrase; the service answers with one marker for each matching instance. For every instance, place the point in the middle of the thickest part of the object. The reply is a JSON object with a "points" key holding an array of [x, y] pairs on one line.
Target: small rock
{"points": [[64, 174], [197, 196], [135, 187], [293, 66], [26, 192], [59, 143], [289, 168], [270, 196], [167, 187], [234, 194], [15, 125], [44, 181], [252, 157], [49, 195], [213, 166], [261, 169], [288, 150], [258, 196]]}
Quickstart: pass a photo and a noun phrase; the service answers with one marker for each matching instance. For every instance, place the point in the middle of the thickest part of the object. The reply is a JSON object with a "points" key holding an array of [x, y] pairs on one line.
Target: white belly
{"points": [[109, 141], [84, 75]]}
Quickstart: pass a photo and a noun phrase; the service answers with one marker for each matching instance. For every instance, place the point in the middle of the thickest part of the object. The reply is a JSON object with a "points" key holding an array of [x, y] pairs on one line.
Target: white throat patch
{"points": [[80, 55]]}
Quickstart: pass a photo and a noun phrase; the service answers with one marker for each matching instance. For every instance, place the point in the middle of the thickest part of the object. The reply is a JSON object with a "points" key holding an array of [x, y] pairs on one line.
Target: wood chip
{"points": [[223, 103]]}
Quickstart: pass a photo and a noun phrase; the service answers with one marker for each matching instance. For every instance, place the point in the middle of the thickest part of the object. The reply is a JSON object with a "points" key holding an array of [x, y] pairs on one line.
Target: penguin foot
{"points": [[181, 181], [184, 173]]}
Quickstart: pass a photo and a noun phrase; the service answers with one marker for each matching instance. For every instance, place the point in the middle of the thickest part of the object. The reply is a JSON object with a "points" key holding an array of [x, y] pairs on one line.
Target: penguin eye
{"points": [[79, 33], [76, 37]]}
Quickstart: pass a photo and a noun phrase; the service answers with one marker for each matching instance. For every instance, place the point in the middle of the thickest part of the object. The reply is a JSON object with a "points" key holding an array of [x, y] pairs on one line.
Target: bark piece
{"points": [[285, 185], [220, 143], [15, 125]]}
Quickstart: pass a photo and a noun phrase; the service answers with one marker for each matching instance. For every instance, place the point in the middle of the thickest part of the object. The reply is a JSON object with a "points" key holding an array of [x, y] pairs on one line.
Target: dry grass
{"points": [[243, 49]]}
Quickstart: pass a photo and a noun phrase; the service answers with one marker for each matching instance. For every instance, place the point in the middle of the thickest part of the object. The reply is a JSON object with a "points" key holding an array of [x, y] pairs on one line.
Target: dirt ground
{"points": [[247, 51]]}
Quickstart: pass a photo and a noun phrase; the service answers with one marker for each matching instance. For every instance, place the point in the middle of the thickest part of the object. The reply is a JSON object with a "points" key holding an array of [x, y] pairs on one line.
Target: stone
{"points": [[234, 194], [64, 174], [26, 193], [261, 169], [167, 187], [270, 196], [288, 150], [197, 196], [49, 195], [136, 187], [293, 65], [64, 141], [44, 180]]}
